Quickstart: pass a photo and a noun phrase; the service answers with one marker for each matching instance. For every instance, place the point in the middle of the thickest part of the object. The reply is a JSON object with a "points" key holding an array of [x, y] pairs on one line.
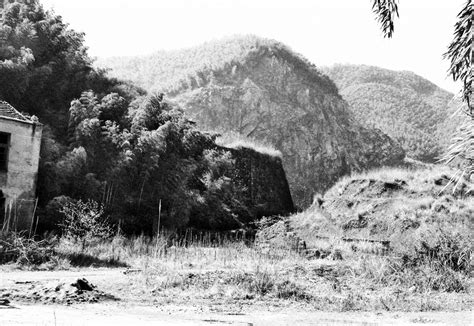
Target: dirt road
{"points": [[117, 315], [123, 312]]}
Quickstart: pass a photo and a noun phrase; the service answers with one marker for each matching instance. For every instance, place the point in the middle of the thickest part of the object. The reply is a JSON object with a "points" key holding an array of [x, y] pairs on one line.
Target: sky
{"points": [[324, 31]]}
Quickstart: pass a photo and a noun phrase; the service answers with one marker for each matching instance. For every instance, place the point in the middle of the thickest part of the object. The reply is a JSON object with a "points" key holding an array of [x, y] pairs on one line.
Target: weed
{"points": [[15, 247]]}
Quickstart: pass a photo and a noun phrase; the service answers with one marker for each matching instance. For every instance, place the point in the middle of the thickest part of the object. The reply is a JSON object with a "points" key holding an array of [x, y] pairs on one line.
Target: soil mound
{"points": [[378, 205], [79, 291], [381, 210]]}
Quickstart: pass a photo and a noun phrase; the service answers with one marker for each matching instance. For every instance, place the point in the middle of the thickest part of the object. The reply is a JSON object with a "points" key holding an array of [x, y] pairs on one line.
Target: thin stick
{"points": [[33, 218], [159, 217], [141, 193]]}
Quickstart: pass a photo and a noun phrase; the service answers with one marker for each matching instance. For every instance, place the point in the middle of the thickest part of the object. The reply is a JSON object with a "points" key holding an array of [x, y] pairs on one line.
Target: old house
{"points": [[20, 142]]}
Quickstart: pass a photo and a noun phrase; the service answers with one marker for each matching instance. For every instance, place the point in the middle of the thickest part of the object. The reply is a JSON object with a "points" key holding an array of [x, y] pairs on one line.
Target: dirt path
{"points": [[130, 313], [117, 315]]}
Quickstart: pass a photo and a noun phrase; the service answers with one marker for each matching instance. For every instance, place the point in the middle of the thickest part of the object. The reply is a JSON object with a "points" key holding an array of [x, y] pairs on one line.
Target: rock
{"points": [[314, 129], [83, 285], [336, 254]]}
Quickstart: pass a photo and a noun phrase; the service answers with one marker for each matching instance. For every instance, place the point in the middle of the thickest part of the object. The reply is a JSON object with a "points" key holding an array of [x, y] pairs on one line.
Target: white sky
{"points": [[324, 31]]}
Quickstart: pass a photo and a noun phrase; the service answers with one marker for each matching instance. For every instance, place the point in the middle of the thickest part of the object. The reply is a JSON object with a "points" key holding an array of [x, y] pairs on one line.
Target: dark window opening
{"points": [[4, 146]]}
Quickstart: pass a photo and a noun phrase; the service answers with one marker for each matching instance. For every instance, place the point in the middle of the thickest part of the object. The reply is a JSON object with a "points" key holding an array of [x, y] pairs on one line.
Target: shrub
{"points": [[442, 247], [51, 216], [14, 247], [84, 222]]}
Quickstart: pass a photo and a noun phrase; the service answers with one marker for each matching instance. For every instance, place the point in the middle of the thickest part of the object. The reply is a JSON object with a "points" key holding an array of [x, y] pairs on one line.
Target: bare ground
{"points": [[131, 310], [122, 314]]}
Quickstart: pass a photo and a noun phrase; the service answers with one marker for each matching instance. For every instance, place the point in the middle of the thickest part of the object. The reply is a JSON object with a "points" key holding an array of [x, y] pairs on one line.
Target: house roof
{"points": [[9, 112]]}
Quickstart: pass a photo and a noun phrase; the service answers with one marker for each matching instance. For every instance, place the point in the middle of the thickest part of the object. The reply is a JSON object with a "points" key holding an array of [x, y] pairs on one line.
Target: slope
{"points": [[407, 107]]}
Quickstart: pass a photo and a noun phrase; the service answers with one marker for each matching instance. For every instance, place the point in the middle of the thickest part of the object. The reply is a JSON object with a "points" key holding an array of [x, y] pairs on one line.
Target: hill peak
{"points": [[169, 71]]}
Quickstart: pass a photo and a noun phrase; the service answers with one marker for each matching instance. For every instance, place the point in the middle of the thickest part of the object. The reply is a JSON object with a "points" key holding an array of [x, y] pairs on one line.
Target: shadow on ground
{"points": [[86, 260]]}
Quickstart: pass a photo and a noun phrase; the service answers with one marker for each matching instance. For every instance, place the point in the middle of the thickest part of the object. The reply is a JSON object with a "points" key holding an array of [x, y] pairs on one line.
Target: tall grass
{"points": [[168, 270]]}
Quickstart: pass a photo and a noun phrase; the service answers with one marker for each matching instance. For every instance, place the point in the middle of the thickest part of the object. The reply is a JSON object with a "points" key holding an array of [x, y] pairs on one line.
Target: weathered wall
{"points": [[18, 184], [265, 181]]}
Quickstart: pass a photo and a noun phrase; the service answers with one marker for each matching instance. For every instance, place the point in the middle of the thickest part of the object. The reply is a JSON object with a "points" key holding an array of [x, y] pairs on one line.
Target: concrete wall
{"points": [[18, 184]]}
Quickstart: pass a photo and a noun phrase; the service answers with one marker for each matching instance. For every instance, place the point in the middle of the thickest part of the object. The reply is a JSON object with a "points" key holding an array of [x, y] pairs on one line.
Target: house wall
{"points": [[18, 184]]}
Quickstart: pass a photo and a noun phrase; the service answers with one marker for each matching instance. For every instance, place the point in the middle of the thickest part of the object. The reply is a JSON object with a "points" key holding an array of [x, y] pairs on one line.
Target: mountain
{"points": [[405, 106], [261, 89]]}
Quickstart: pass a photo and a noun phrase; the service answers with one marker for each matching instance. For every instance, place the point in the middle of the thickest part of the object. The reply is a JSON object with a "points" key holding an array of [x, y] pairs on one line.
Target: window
{"points": [[4, 146]]}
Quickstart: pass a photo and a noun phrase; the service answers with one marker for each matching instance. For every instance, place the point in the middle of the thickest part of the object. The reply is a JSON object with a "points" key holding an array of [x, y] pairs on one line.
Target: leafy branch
{"points": [[386, 11]]}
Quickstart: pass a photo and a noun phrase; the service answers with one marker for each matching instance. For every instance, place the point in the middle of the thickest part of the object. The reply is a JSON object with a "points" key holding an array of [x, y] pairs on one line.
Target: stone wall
{"points": [[265, 181], [18, 183]]}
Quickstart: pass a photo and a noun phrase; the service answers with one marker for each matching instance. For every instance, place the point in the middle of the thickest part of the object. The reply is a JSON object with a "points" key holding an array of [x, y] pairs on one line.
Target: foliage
{"points": [[442, 247], [407, 107], [460, 52], [385, 11], [146, 162], [16, 247], [44, 64], [221, 202], [461, 149], [171, 71], [84, 222]]}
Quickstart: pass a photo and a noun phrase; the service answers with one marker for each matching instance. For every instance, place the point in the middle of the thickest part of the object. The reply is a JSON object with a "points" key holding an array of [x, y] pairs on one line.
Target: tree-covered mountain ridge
{"points": [[171, 71], [261, 89], [404, 105]]}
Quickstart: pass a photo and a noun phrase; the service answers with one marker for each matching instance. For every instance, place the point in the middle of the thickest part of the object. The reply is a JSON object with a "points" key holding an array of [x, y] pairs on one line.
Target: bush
{"points": [[51, 216], [84, 222], [14, 247], [442, 247]]}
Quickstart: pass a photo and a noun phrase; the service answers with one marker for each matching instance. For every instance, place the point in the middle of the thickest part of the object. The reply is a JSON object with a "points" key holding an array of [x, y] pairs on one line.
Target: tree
{"points": [[460, 54], [44, 64]]}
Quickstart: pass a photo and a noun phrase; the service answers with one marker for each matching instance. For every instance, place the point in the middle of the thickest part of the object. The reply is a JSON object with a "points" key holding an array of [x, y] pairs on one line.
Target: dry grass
{"points": [[235, 140], [418, 179], [232, 275], [235, 274]]}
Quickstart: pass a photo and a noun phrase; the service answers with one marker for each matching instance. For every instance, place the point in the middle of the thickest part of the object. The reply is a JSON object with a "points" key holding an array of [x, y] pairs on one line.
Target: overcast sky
{"points": [[325, 31]]}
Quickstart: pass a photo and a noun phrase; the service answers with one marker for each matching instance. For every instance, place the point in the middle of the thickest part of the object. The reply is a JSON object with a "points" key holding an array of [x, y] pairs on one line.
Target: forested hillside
{"points": [[261, 89], [105, 140], [407, 107]]}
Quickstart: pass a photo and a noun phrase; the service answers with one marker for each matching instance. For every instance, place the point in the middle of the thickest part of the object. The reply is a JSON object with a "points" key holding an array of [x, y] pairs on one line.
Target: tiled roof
{"points": [[8, 111]]}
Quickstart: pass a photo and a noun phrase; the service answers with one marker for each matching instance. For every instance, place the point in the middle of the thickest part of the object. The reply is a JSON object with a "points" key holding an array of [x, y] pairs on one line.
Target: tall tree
{"points": [[43, 63]]}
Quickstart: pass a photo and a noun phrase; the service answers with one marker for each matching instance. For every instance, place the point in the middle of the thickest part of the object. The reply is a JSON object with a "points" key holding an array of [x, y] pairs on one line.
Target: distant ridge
{"points": [[407, 107]]}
